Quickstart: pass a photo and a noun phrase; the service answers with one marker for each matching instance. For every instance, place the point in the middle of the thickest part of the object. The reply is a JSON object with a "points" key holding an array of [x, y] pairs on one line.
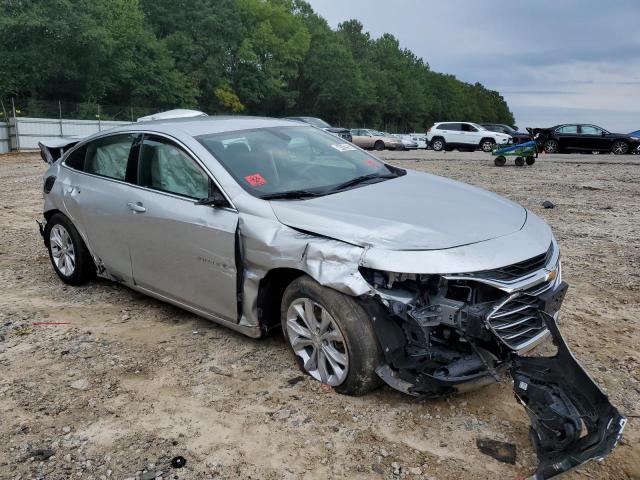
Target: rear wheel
{"points": [[530, 160], [551, 146], [487, 145], [519, 161], [500, 161], [437, 144], [379, 145], [331, 337], [620, 147], [68, 254]]}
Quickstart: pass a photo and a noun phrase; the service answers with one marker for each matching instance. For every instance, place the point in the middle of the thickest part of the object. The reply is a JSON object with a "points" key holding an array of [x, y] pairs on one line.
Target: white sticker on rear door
{"points": [[343, 147]]}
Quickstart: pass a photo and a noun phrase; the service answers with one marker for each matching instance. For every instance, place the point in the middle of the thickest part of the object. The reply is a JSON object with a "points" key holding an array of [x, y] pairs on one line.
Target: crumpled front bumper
{"points": [[572, 420]]}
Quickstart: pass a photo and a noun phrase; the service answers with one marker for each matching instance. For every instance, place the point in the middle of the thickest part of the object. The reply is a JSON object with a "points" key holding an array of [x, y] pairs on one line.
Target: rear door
{"points": [[181, 250], [568, 137], [93, 193], [470, 135], [452, 132]]}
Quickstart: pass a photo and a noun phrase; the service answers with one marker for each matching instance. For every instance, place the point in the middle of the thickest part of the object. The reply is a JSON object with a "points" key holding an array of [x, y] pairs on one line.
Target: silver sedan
{"points": [[372, 272]]}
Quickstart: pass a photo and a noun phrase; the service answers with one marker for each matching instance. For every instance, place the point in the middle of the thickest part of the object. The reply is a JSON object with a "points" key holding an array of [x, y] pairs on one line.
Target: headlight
{"points": [[635, 139]]}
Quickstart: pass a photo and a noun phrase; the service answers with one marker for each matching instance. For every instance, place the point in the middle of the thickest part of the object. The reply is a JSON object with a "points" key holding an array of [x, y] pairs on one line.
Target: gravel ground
{"points": [[130, 382]]}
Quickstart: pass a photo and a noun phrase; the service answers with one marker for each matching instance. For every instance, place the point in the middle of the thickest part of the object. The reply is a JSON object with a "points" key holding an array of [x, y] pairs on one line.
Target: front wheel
{"points": [[487, 145], [379, 145], [331, 337], [519, 161], [500, 161], [620, 147], [530, 160]]}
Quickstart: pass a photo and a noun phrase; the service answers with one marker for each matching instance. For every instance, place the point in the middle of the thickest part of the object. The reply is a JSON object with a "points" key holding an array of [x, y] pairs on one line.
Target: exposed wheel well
{"points": [[50, 213], [438, 138], [487, 138], [270, 292]]}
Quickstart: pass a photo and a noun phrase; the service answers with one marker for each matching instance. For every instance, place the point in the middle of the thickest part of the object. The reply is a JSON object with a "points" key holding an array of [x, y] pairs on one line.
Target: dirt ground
{"points": [[130, 382]]}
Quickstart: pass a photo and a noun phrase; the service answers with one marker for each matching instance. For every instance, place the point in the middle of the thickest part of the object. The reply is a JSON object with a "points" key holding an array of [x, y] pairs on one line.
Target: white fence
{"points": [[4, 137], [24, 133]]}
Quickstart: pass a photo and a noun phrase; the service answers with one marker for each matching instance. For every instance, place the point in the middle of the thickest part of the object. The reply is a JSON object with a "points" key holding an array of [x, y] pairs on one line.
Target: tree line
{"points": [[258, 57]]}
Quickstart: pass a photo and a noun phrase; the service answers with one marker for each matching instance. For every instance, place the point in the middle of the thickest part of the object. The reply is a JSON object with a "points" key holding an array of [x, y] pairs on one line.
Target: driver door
{"points": [[180, 250]]}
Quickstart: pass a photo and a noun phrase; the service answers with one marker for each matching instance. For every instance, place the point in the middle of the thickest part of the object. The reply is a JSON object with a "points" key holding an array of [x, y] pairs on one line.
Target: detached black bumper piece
{"points": [[572, 420]]}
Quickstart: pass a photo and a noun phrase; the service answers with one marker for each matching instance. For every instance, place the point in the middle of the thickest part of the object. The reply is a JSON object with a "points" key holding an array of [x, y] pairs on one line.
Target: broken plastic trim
{"points": [[572, 420]]}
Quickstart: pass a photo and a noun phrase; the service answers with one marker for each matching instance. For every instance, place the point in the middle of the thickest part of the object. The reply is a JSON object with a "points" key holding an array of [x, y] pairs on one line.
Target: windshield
{"points": [[270, 161], [316, 122]]}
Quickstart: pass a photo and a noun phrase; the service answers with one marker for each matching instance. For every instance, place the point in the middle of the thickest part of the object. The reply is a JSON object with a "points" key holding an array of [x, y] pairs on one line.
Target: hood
{"points": [[417, 211], [337, 130]]}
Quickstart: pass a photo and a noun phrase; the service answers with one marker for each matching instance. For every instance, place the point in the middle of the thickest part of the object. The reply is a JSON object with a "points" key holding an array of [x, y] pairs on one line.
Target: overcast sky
{"points": [[555, 61]]}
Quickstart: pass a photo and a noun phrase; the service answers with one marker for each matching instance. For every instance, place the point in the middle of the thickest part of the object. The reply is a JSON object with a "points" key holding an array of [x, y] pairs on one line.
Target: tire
{"points": [[357, 345], [437, 144], [519, 161], [500, 161], [379, 145], [530, 160], [551, 146], [68, 253], [486, 145], [620, 147]]}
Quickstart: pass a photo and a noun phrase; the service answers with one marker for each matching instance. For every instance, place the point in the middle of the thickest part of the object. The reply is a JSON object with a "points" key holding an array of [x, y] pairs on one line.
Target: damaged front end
{"points": [[448, 333]]}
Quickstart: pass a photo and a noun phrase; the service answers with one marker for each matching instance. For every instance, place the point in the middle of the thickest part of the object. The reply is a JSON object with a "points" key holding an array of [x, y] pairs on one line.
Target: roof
{"points": [[195, 126]]}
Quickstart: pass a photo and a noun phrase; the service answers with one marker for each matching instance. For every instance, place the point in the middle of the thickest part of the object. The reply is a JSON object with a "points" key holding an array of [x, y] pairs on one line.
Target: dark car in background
{"points": [[343, 133], [518, 137], [637, 135], [585, 138]]}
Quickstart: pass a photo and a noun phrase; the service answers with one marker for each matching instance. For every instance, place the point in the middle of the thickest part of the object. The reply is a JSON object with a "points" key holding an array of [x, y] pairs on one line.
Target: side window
{"points": [[590, 130], [568, 129], [468, 128], [75, 159], [165, 167], [454, 127], [108, 156]]}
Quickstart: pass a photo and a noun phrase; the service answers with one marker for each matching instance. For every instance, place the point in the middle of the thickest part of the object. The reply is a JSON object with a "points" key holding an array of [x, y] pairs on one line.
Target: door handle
{"points": [[136, 207]]}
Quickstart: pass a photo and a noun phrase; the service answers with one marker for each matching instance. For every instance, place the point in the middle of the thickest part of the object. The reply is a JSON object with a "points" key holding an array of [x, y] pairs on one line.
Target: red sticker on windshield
{"points": [[255, 180], [371, 162]]}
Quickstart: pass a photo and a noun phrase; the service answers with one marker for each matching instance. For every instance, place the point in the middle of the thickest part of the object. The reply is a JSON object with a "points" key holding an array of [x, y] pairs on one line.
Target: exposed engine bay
{"points": [[442, 334]]}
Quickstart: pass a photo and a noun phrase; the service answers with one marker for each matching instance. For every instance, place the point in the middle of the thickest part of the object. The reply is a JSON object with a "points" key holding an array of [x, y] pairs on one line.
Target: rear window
{"points": [[75, 159], [108, 156]]}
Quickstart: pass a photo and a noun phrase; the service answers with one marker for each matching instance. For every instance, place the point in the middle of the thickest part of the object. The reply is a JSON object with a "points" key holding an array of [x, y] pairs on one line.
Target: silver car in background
{"points": [[372, 272]]}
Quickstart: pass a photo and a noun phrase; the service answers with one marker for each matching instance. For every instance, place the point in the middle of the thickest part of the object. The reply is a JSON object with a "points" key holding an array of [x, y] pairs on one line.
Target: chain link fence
{"points": [[29, 107]]}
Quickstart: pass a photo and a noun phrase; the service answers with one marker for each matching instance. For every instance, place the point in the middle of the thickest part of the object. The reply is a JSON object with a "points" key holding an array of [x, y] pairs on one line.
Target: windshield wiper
{"points": [[362, 179], [293, 194]]}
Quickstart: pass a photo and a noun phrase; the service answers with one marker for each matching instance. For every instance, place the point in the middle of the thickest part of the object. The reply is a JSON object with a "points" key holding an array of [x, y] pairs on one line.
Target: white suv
{"points": [[464, 136]]}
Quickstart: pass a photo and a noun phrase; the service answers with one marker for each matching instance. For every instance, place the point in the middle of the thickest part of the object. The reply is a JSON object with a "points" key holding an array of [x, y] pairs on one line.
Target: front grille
{"points": [[516, 271], [517, 320]]}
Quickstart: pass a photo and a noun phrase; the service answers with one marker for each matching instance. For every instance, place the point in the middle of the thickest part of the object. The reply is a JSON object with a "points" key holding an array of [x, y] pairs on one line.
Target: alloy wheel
{"points": [[317, 340], [487, 146], [620, 148], [62, 250], [551, 146]]}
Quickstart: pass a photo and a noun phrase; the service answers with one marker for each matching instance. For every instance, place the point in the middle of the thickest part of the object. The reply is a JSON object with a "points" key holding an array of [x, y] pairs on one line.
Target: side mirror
{"points": [[216, 199]]}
